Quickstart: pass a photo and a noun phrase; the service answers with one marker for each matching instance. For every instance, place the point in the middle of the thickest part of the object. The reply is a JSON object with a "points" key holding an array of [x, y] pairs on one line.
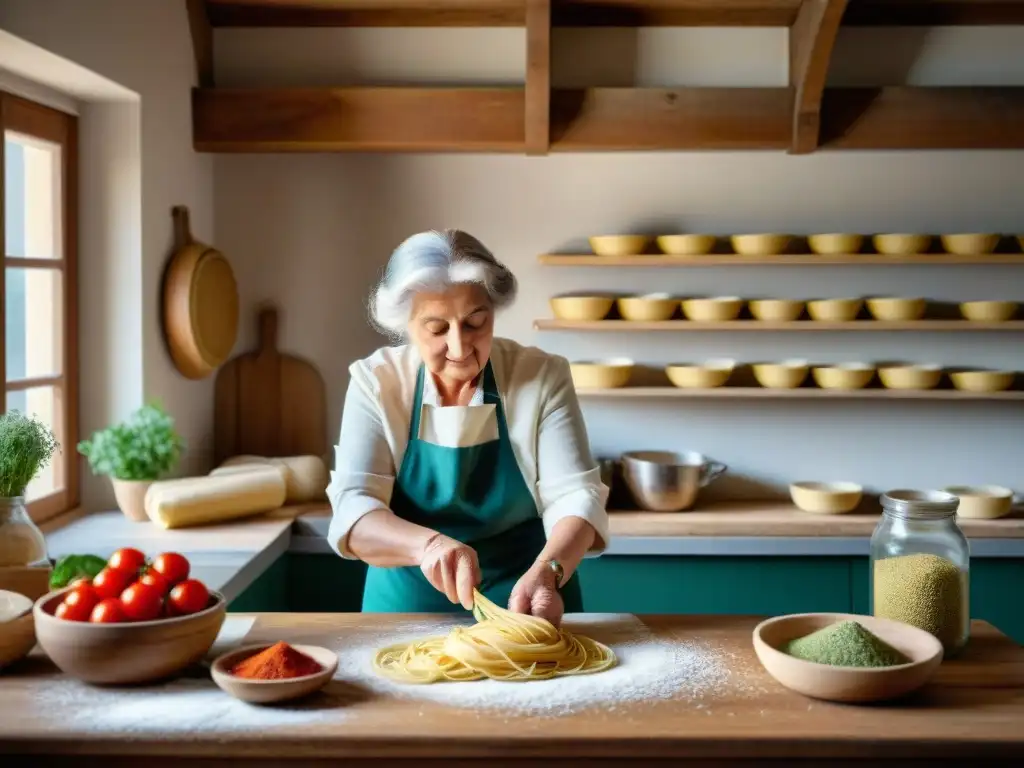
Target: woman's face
{"points": [[453, 331]]}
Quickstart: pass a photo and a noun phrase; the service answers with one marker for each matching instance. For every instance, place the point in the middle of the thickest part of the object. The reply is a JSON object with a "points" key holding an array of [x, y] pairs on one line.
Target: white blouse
{"points": [[545, 424]]}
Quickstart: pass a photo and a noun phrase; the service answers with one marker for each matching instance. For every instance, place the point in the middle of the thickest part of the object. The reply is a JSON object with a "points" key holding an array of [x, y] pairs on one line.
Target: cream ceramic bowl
{"points": [[760, 245], [619, 245], [707, 375], [988, 311], [843, 376], [686, 245], [901, 245], [17, 627], [910, 376], [601, 374], [982, 381], [982, 502], [893, 309], [776, 310], [650, 308], [847, 684], [833, 244], [270, 691], [826, 498], [712, 310], [581, 307], [969, 244], [834, 310], [1020, 241], [788, 374]]}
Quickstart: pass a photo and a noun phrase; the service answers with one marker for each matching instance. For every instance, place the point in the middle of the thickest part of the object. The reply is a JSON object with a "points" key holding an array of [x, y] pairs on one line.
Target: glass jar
{"points": [[21, 542], [920, 565]]}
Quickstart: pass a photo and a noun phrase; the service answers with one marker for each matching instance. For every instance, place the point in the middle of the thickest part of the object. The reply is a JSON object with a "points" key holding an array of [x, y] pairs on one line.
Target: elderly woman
{"points": [[463, 459]]}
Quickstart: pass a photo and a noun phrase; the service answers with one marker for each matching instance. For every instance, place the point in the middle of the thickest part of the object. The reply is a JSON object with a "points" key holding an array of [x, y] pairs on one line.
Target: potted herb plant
{"points": [[133, 454], [26, 446]]}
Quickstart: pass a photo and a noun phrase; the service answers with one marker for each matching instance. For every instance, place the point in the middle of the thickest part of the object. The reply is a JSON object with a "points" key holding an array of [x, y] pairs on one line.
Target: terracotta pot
{"points": [[131, 497]]}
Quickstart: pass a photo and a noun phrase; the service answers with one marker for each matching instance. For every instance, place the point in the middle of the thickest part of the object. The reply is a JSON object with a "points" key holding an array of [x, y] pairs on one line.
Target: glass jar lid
{"points": [[920, 505]]}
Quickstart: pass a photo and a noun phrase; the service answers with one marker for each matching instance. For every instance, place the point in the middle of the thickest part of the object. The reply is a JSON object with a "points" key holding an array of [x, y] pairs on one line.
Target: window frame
{"points": [[42, 122]]}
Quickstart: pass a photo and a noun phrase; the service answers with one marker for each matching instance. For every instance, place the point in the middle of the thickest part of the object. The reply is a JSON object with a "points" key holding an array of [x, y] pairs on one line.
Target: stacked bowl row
{"points": [[657, 307], [790, 374], [895, 244]]}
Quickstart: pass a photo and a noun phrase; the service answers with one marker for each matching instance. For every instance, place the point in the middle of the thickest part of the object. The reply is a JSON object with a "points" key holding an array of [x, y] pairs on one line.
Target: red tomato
{"points": [[171, 566], [127, 559], [190, 596], [111, 582], [107, 611], [155, 579], [83, 594], [141, 602], [73, 611]]}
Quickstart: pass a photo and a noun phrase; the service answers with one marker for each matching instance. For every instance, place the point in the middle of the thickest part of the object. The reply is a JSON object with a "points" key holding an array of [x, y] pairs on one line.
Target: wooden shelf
{"points": [[797, 259], [944, 326], [778, 518], [800, 393]]}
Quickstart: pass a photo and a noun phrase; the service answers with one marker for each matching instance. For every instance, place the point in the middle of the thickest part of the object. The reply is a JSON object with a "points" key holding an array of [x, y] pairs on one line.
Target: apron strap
{"points": [[417, 406]]}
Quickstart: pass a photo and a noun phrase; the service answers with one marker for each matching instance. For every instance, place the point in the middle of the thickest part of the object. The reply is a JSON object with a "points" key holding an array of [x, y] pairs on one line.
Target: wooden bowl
{"points": [[969, 244], [847, 684], [128, 653], [834, 310], [788, 374], [581, 307], [718, 309], [988, 311], [601, 374], [761, 244], [653, 307], [17, 627], [844, 376], [896, 309], [270, 691], [982, 381], [776, 310], [833, 244], [826, 498], [982, 502], [686, 245], [707, 375], [619, 245], [910, 376], [901, 245]]}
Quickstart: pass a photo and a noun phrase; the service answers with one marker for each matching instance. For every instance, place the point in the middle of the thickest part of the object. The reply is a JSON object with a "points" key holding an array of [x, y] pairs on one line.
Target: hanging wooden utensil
{"points": [[267, 403], [200, 303]]}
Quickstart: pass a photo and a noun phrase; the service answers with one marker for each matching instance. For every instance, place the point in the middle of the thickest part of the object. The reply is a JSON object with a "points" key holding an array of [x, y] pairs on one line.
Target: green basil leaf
{"points": [[71, 567]]}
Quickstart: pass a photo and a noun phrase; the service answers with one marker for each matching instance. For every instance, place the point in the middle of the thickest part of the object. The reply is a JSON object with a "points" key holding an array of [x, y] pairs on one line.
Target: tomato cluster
{"points": [[130, 589]]}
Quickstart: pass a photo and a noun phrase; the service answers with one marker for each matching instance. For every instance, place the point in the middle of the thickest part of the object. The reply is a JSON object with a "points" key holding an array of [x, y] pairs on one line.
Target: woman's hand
{"points": [[536, 594], [452, 568]]}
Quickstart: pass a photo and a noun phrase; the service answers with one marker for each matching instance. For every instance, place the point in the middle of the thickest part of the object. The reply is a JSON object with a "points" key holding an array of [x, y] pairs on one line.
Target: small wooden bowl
{"points": [[833, 244], [901, 245], [847, 684], [653, 307], [686, 245], [619, 245], [17, 628], [969, 244], [601, 374], [776, 310], [894, 309], [128, 653], [581, 307], [760, 244], [270, 691], [834, 310]]}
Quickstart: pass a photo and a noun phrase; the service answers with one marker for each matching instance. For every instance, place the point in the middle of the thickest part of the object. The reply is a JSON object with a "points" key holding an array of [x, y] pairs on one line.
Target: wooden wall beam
{"points": [[538, 76], [933, 13], [965, 117], [202, 41], [811, 39]]}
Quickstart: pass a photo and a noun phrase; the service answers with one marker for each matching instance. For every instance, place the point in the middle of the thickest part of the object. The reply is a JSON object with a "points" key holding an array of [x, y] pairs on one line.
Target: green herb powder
{"points": [[845, 644]]}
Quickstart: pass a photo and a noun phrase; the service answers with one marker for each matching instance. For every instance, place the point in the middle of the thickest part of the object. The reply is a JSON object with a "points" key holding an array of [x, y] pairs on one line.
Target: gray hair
{"points": [[435, 261]]}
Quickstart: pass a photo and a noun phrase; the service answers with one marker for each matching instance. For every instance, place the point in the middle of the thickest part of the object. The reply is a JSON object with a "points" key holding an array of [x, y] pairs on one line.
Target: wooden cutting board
{"points": [[267, 403]]}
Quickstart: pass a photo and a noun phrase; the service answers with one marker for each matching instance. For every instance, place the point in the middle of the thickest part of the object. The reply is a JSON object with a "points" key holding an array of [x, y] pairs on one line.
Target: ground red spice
{"points": [[278, 662]]}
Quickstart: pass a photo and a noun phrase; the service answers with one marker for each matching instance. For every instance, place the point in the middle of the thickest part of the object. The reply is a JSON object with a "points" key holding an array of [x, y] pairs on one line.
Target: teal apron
{"points": [[475, 495]]}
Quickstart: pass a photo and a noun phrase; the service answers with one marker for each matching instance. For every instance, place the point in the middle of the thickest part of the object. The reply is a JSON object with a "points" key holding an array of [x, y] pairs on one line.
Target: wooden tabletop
{"points": [[973, 709]]}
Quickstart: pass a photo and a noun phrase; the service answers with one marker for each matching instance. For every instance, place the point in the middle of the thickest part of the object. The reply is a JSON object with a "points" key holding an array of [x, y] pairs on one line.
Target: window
{"points": [[39, 343]]}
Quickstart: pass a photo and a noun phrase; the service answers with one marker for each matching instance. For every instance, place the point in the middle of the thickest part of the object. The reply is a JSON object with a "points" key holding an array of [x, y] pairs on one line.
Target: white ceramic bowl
{"points": [[826, 498]]}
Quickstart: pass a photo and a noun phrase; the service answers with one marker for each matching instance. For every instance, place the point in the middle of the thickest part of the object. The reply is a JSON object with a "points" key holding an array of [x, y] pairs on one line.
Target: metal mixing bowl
{"points": [[662, 481]]}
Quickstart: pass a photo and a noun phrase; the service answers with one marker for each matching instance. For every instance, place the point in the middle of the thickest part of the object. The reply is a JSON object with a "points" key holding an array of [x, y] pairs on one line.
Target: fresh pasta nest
{"points": [[502, 645]]}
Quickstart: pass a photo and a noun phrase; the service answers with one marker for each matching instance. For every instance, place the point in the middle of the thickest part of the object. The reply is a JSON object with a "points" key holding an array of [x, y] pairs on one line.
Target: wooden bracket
{"points": [[811, 39], [538, 77], [202, 41]]}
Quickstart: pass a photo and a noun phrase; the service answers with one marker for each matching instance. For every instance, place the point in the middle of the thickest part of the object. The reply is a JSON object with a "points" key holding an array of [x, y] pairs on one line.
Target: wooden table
{"points": [[972, 713]]}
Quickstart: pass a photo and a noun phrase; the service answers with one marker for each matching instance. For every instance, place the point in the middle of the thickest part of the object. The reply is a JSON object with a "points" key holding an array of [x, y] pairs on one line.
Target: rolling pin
{"points": [[202, 500], [305, 477]]}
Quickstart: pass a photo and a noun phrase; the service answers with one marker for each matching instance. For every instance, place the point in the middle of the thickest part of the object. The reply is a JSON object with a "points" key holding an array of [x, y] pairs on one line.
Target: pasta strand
{"points": [[502, 645]]}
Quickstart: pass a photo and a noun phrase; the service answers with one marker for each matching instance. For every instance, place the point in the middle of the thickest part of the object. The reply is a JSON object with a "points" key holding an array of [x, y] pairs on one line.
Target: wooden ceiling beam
{"points": [[538, 77], [811, 39]]}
